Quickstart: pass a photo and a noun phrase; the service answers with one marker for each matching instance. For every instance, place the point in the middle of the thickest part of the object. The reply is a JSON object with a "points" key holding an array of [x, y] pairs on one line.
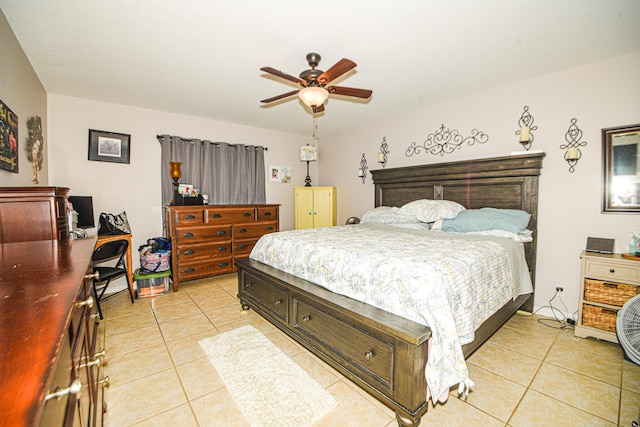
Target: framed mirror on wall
{"points": [[621, 169]]}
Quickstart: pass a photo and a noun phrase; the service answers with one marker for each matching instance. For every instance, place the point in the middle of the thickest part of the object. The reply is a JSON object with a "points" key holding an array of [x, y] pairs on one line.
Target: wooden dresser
{"points": [[606, 283], [33, 213], [50, 363], [206, 240]]}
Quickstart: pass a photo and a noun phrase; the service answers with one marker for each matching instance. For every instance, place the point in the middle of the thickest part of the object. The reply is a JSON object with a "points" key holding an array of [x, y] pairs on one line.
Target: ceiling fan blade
{"points": [[284, 95], [336, 71], [284, 75], [350, 91], [318, 108]]}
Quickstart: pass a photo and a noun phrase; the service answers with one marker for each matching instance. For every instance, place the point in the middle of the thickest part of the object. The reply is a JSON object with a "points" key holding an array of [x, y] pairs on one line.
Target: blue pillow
{"points": [[512, 220]]}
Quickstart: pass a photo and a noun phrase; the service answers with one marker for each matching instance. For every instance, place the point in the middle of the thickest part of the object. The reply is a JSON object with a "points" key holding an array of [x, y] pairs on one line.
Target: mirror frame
{"points": [[607, 169]]}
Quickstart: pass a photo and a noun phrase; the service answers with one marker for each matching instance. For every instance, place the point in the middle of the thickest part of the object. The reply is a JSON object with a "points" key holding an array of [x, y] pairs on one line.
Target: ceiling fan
{"points": [[314, 83]]}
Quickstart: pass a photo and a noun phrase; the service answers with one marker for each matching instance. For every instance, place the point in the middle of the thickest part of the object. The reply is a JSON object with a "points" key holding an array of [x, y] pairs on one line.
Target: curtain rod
{"points": [[216, 143]]}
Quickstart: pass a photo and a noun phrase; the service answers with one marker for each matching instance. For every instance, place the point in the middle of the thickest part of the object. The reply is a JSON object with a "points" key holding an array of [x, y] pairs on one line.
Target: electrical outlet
{"points": [[559, 289]]}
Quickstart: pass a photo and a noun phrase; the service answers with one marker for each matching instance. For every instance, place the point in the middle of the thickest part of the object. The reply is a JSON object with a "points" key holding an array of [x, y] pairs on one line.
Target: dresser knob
{"points": [[278, 302], [248, 285], [612, 270], [306, 319], [368, 355]]}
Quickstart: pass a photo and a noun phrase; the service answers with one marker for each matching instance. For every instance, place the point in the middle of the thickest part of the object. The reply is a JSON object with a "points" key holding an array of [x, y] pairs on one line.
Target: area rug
{"points": [[269, 388]]}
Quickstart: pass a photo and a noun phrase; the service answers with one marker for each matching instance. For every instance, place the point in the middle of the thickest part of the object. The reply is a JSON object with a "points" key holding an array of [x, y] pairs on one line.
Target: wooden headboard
{"points": [[509, 182]]}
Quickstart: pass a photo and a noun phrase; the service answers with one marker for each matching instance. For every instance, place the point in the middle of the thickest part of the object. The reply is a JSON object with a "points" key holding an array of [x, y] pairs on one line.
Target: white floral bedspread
{"points": [[448, 282]]}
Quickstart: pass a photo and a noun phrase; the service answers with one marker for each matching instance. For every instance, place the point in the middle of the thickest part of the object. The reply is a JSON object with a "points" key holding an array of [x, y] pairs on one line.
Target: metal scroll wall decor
{"points": [[362, 171], [526, 128], [572, 151], [446, 141], [384, 151]]}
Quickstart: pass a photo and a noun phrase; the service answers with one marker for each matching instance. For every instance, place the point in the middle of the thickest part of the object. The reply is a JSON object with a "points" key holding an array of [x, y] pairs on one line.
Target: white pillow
{"points": [[388, 215], [431, 210]]}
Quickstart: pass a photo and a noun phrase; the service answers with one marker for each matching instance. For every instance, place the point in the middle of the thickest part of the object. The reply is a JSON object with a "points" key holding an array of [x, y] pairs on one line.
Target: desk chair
{"points": [[115, 250]]}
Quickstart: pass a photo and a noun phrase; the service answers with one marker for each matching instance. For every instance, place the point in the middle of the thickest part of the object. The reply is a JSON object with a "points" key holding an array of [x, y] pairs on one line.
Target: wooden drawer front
{"points": [[189, 253], [274, 299], [599, 317], [194, 270], [269, 213], [368, 354], [202, 234], [247, 231], [231, 215], [243, 247], [608, 292], [612, 271], [189, 216]]}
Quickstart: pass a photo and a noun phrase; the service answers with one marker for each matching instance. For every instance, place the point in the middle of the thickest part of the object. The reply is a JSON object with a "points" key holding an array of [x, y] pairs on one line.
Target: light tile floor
{"points": [[527, 374]]}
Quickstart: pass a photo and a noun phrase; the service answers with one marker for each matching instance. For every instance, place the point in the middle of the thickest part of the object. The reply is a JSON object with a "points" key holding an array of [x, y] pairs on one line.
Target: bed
{"points": [[384, 353]]}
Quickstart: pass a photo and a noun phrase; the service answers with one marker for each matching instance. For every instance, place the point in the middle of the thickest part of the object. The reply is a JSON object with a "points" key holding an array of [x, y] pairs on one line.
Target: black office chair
{"points": [[117, 250]]}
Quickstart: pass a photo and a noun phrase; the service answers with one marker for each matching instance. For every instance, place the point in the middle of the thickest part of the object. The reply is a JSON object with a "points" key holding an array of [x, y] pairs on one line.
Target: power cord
{"points": [[562, 321]]}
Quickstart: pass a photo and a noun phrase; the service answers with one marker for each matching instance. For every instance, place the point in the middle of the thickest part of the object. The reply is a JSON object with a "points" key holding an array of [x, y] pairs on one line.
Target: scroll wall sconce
{"points": [[526, 128], [362, 171], [384, 151], [572, 148]]}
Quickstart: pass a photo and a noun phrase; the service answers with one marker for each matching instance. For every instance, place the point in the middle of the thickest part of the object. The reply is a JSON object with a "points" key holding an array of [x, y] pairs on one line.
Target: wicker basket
{"points": [[599, 317], [608, 293]]}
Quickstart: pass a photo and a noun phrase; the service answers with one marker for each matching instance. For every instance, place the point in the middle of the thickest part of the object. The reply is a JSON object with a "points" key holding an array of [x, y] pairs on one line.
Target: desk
{"points": [[104, 239]]}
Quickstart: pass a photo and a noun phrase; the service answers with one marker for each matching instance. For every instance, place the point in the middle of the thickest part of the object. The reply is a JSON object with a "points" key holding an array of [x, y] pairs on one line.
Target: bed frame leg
{"points": [[406, 422], [244, 306]]}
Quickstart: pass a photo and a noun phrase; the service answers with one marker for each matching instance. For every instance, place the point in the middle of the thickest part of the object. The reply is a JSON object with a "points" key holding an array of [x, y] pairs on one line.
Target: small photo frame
{"points": [[279, 174], [109, 146]]}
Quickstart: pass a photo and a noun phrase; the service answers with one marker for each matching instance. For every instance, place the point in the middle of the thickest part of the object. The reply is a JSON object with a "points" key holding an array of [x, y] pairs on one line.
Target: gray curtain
{"points": [[227, 173]]}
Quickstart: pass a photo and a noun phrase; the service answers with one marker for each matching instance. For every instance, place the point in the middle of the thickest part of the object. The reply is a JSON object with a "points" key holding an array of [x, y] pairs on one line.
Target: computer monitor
{"points": [[84, 206]]}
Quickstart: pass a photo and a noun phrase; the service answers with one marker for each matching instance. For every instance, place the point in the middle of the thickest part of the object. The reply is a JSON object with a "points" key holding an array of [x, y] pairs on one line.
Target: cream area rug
{"points": [[269, 388]]}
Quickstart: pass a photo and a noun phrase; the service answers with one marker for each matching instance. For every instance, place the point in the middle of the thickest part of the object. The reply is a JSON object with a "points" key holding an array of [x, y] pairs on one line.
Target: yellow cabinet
{"points": [[315, 206]]}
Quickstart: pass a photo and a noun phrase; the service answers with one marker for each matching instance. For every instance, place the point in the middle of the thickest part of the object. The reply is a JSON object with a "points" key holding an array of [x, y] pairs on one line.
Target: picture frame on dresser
{"points": [[109, 146]]}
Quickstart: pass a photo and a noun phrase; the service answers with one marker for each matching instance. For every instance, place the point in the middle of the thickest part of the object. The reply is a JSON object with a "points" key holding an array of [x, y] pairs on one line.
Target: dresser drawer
{"points": [[599, 317], [608, 292], [223, 215], [609, 270], [267, 296], [194, 270], [368, 354], [247, 231], [268, 213], [189, 216], [243, 247], [201, 234], [196, 252]]}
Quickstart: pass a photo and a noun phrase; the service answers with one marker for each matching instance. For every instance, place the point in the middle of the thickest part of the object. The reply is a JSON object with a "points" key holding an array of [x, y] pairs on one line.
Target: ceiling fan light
{"points": [[313, 96]]}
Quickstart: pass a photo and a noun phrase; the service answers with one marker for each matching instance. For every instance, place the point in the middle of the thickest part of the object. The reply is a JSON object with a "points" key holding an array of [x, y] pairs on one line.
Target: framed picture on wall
{"points": [[109, 146]]}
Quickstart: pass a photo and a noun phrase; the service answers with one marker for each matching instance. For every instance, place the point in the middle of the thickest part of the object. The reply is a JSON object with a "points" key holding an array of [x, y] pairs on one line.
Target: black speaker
{"points": [[602, 246]]}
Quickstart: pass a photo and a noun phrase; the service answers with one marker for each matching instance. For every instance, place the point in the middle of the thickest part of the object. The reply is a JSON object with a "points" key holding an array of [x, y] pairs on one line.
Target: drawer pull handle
{"points": [[612, 270], [187, 235], [267, 214], [269, 228], [247, 214], [222, 264], [242, 230], [189, 270], [610, 285], [278, 302], [216, 216], [88, 302], [244, 246], [222, 248], [305, 319], [609, 311], [95, 275], [74, 388], [189, 252], [248, 285], [222, 232], [190, 217], [368, 355]]}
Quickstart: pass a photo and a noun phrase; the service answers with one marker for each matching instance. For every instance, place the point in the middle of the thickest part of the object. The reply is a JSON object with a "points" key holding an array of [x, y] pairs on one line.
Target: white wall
{"points": [[135, 187], [22, 92], [600, 95]]}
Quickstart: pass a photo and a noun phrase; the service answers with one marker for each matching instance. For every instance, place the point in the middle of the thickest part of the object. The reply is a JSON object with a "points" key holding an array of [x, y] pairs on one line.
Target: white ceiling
{"points": [[203, 57]]}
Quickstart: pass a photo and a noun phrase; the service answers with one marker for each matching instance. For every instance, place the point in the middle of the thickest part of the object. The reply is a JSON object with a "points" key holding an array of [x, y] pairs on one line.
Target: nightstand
{"points": [[606, 283]]}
